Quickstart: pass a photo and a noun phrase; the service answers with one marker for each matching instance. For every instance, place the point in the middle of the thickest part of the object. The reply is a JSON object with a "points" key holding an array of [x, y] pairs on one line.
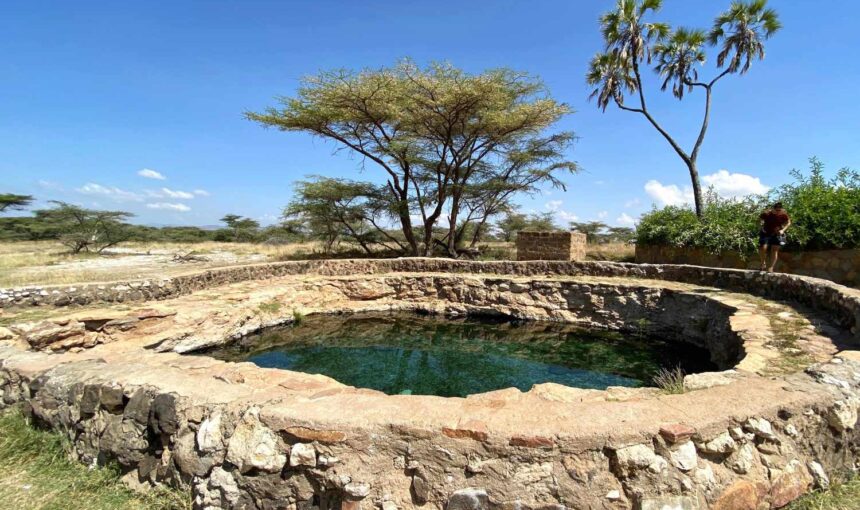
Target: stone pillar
{"points": [[550, 245]]}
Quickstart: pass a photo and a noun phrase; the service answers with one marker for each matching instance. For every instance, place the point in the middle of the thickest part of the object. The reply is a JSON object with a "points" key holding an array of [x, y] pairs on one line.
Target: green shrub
{"points": [[825, 214]]}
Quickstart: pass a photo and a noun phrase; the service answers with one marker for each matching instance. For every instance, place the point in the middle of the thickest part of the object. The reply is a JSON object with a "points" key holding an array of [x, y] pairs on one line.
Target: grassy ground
{"points": [[50, 263], [841, 496], [36, 473]]}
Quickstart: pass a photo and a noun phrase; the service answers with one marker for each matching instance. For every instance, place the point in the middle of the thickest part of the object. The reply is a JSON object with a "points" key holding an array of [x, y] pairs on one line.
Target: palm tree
{"points": [[677, 58], [742, 30], [630, 40]]}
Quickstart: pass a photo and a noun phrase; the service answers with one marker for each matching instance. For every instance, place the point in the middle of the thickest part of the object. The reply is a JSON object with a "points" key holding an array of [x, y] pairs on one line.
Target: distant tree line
{"points": [[91, 230]]}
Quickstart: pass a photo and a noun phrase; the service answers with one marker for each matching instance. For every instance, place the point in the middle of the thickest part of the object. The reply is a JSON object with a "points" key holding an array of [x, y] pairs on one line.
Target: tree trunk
{"points": [[452, 223], [406, 224], [697, 188]]}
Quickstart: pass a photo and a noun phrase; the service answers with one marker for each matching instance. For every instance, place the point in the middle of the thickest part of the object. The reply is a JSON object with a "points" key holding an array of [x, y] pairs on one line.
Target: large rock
{"points": [[683, 456], [210, 438], [632, 458], [792, 483], [303, 454], [723, 444], [741, 495], [468, 499], [253, 446], [842, 415]]}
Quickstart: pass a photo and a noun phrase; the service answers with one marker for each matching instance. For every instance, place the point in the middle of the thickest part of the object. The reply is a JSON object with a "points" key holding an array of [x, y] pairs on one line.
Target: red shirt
{"points": [[774, 221]]}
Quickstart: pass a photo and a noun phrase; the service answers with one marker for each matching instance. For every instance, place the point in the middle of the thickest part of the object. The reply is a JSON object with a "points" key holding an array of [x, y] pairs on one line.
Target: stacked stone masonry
{"points": [[239, 436], [550, 245], [841, 266]]}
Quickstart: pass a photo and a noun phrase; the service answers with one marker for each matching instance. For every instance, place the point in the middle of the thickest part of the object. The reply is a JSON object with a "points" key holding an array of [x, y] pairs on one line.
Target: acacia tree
{"points": [[630, 42], [13, 202], [242, 229], [431, 130], [332, 209], [533, 163], [86, 229]]}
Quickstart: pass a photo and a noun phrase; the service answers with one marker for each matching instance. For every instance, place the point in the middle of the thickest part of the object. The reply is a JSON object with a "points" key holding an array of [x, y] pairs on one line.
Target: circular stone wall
{"points": [[240, 436]]}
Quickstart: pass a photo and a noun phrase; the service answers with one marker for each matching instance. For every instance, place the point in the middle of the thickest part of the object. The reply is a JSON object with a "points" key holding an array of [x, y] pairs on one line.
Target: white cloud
{"points": [[151, 174], [625, 220], [53, 185], [602, 215], [169, 206], [734, 185], [201, 192], [116, 194], [561, 216], [668, 194], [632, 203], [177, 194], [725, 183]]}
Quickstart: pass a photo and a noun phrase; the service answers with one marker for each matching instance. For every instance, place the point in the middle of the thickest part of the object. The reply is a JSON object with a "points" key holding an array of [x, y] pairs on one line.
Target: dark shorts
{"points": [[765, 239]]}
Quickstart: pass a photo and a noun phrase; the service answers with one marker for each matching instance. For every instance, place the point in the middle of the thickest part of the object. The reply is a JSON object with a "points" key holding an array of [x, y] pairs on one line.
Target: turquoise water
{"points": [[436, 355]]}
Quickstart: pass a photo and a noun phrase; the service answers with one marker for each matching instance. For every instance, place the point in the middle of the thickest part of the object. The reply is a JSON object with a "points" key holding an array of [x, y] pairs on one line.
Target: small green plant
{"points": [[642, 327], [269, 307], [298, 317], [670, 380]]}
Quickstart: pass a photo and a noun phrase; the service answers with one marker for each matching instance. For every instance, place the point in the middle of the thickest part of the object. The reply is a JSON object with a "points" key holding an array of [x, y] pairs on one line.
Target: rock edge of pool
{"points": [[777, 420]]}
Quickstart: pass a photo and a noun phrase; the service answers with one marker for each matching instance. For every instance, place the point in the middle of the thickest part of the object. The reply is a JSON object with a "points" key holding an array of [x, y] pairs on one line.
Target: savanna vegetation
{"points": [[825, 214]]}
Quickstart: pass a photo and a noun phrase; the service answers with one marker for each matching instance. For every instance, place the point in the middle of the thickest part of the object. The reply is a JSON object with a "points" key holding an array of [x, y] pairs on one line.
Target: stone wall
{"points": [[840, 266], [550, 245], [211, 428], [842, 303]]}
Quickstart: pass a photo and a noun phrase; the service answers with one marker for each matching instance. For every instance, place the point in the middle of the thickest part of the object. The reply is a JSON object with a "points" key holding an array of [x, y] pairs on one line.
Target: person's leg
{"points": [[762, 253], [775, 251]]}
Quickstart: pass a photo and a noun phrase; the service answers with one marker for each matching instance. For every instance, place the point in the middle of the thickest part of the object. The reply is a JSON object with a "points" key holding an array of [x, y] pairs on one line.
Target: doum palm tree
{"points": [[630, 41]]}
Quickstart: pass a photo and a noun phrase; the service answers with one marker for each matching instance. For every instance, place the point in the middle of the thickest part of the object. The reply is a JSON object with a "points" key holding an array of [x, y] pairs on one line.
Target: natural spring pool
{"points": [[406, 353]]}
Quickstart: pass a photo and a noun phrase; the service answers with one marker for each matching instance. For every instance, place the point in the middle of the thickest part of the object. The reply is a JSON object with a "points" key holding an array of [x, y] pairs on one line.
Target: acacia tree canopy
{"points": [[14, 202], [86, 229], [435, 132]]}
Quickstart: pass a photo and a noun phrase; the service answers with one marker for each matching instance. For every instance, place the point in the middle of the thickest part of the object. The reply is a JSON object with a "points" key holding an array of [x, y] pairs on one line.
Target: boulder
{"points": [[468, 499], [253, 446]]}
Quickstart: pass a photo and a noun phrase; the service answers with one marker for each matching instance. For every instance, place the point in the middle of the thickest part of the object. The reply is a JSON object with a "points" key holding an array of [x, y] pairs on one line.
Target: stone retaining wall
{"points": [[841, 266], [246, 438], [242, 437], [550, 245], [841, 302]]}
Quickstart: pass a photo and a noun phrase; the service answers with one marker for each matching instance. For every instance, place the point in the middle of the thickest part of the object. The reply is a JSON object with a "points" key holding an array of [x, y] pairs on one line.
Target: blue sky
{"points": [[94, 92]]}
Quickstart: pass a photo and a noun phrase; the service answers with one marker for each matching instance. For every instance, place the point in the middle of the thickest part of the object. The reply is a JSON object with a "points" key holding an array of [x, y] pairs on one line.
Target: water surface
{"points": [[402, 353]]}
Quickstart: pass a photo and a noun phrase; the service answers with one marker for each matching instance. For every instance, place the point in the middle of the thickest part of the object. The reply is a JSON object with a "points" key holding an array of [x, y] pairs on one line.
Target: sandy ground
{"points": [[50, 263]]}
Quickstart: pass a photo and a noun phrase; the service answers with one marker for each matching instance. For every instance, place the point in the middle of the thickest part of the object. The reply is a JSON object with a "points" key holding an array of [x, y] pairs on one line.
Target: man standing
{"points": [[774, 222]]}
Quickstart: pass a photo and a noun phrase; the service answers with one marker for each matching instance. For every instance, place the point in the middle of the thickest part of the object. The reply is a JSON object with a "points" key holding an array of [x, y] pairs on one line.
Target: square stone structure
{"points": [[550, 245]]}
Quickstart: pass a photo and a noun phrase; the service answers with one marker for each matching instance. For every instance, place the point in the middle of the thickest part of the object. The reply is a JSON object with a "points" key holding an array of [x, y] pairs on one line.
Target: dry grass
{"points": [[50, 263]]}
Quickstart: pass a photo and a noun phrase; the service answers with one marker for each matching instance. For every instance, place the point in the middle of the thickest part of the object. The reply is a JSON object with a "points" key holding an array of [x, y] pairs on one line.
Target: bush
{"points": [[825, 214], [726, 225]]}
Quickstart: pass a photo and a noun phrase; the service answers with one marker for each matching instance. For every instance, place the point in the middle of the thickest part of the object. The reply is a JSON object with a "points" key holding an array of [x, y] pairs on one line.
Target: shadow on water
{"points": [[403, 353]]}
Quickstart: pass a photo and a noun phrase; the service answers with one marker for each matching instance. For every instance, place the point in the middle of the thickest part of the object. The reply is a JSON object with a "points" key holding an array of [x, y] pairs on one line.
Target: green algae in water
{"points": [[409, 354]]}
